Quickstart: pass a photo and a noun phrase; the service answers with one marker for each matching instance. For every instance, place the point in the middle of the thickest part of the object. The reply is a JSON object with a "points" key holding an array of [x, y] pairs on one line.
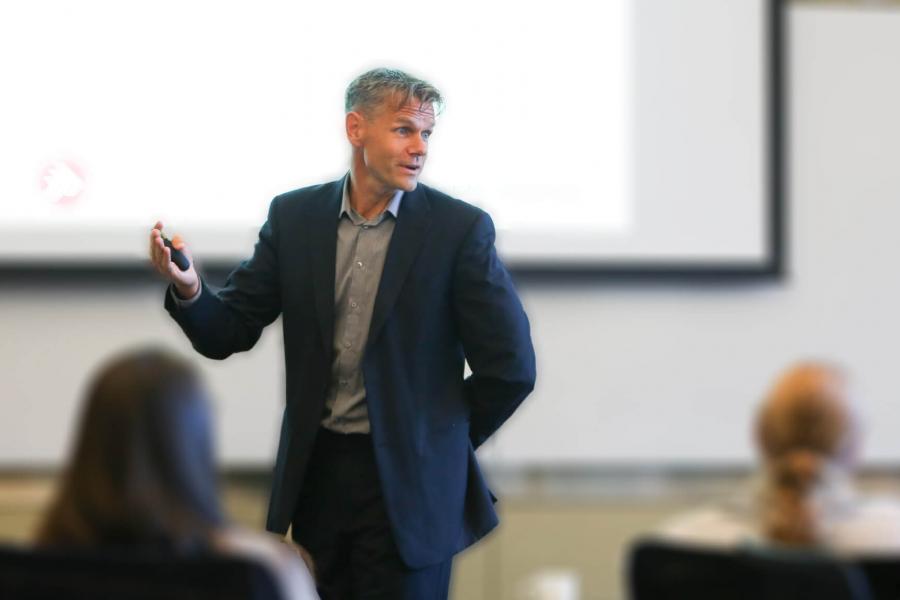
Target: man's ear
{"points": [[355, 125]]}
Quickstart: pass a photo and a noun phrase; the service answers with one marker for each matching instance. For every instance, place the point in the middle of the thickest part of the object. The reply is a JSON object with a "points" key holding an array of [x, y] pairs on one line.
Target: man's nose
{"points": [[418, 146]]}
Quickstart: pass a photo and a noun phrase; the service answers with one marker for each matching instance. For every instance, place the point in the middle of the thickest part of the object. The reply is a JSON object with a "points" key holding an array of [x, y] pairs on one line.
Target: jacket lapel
{"points": [[324, 245], [409, 233]]}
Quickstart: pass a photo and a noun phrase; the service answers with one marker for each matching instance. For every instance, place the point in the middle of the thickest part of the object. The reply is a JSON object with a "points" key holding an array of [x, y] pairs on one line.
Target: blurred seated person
{"points": [[143, 476], [803, 496]]}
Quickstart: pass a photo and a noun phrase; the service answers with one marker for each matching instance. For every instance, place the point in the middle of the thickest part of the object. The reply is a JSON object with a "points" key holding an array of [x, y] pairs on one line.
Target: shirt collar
{"points": [[393, 206]]}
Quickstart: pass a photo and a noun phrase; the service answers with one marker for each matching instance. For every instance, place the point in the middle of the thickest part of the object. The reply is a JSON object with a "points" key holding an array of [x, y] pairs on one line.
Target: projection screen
{"points": [[623, 134]]}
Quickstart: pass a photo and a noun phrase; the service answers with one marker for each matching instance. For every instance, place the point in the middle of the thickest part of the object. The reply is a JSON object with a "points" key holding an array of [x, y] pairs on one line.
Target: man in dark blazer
{"points": [[386, 288]]}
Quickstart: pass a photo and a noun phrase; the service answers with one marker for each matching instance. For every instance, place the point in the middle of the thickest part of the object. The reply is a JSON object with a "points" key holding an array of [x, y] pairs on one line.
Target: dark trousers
{"points": [[341, 520]]}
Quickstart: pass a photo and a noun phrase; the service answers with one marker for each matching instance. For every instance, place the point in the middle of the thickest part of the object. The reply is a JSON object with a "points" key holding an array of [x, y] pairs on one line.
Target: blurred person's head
{"points": [[142, 470], [806, 430]]}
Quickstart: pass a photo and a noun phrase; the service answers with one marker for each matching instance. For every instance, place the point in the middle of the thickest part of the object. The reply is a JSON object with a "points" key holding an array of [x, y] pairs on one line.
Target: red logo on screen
{"points": [[62, 182]]}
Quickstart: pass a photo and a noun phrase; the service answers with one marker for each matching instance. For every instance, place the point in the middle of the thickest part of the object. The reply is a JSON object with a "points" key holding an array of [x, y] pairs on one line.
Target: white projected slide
{"points": [[614, 131]]}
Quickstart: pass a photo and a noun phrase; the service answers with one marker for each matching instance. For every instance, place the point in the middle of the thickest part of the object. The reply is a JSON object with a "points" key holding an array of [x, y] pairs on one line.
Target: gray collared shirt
{"points": [[361, 249]]}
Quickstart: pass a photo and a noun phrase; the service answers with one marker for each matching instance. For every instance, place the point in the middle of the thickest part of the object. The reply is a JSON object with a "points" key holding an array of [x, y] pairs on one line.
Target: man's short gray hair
{"points": [[369, 90]]}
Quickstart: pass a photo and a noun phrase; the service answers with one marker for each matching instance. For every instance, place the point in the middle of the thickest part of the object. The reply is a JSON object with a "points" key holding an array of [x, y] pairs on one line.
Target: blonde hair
{"points": [[369, 90], [805, 429]]}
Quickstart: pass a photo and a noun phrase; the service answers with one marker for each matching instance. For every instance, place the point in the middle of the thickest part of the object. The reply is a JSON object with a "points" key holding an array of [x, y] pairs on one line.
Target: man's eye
{"points": [[402, 130], [426, 134]]}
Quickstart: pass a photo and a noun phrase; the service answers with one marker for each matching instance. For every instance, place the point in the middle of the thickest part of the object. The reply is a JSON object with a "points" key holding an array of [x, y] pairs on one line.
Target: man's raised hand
{"points": [[187, 282]]}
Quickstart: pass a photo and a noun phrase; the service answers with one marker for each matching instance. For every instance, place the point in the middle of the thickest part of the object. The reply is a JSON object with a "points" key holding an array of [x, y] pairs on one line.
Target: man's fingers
{"points": [[161, 265], [178, 242], [154, 251], [161, 261], [157, 249], [156, 232]]}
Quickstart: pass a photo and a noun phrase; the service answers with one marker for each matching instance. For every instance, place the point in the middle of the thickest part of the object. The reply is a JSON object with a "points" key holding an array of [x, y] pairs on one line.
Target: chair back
{"points": [[883, 576], [52, 574], [660, 570]]}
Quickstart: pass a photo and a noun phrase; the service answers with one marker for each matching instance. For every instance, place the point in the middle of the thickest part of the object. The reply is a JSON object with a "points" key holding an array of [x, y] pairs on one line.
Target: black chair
{"points": [[660, 570], [44, 575], [883, 576]]}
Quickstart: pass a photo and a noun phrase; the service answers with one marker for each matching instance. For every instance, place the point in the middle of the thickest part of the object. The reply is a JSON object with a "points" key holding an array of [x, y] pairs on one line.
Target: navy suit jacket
{"points": [[444, 298]]}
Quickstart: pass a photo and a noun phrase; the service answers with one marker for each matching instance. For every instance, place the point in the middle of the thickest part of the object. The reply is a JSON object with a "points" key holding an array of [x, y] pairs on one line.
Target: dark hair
{"points": [[142, 471], [369, 90]]}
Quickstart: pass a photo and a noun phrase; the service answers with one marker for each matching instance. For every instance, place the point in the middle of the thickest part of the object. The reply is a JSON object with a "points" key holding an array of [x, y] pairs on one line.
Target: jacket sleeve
{"points": [[222, 322], [494, 331]]}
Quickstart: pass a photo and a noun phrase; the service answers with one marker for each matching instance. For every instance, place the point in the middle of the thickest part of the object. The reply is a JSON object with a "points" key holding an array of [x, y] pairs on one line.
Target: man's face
{"points": [[394, 142]]}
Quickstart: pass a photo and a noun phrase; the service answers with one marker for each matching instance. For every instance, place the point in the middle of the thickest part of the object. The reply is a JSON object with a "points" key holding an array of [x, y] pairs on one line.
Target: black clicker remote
{"points": [[178, 256]]}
